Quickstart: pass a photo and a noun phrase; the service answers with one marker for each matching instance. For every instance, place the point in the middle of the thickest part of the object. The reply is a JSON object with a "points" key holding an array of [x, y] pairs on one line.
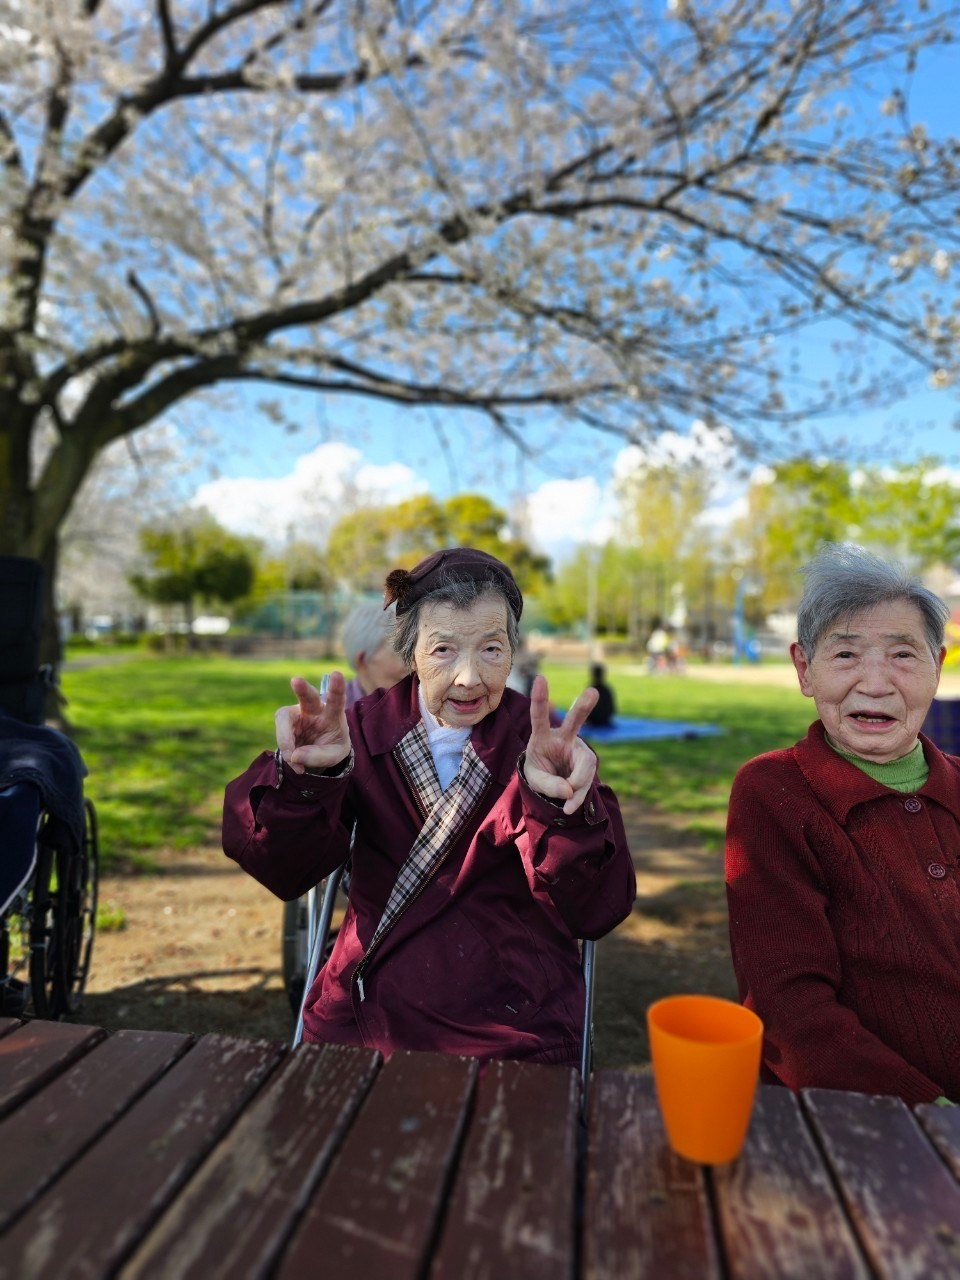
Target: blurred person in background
{"points": [[366, 638], [601, 717]]}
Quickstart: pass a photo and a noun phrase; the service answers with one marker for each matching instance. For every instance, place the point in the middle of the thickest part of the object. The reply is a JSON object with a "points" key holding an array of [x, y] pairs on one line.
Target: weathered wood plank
{"points": [[36, 1052], [92, 1217], [647, 1212], [512, 1210], [53, 1127], [376, 1212], [943, 1126], [236, 1213], [778, 1210], [903, 1201]]}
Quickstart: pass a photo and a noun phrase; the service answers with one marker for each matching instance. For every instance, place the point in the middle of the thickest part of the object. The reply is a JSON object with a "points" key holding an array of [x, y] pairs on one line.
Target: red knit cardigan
{"points": [[844, 901]]}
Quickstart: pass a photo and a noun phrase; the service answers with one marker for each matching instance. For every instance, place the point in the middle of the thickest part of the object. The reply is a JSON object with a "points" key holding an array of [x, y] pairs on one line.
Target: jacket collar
{"points": [[840, 786], [388, 715]]}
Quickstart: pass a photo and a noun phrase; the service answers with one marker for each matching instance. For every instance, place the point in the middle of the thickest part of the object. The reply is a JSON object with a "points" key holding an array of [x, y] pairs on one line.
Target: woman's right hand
{"points": [[314, 733]]}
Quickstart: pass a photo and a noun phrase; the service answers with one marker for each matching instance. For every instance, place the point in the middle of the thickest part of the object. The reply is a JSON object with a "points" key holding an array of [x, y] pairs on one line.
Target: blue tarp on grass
{"points": [[635, 729]]}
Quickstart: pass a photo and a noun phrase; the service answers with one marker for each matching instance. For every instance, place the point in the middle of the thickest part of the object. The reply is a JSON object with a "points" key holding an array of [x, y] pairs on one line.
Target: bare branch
{"points": [[12, 159], [144, 296], [169, 32]]}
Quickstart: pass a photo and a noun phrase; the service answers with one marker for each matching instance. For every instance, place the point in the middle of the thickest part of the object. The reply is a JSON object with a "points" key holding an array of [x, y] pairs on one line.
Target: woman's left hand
{"points": [[558, 764]]}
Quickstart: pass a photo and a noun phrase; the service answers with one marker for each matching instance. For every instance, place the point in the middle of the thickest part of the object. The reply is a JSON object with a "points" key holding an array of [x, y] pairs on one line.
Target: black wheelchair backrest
{"points": [[22, 682]]}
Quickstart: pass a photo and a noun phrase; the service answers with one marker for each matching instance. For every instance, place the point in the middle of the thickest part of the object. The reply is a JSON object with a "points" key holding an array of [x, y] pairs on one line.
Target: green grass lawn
{"points": [[162, 735]]}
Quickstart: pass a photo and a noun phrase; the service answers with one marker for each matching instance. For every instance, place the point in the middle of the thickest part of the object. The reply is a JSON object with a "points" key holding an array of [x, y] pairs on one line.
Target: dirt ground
{"points": [[201, 947]]}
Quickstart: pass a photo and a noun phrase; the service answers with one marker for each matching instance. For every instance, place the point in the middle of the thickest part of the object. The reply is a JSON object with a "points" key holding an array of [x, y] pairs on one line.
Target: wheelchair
{"points": [[48, 919], [49, 847]]}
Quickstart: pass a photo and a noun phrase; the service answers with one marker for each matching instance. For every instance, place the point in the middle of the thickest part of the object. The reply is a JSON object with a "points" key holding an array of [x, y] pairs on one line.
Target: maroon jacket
{"points": [[844, 904], [485, 961]]}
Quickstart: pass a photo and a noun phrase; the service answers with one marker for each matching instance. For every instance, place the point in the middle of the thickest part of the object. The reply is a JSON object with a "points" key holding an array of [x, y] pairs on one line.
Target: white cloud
{"points": [[562, 514], [710, 446], [942, 475], [762, 474], [323, 485]]}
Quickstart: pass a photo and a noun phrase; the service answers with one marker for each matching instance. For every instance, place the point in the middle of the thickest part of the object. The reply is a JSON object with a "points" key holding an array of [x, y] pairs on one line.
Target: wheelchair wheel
{"points": [[64, 920], [78, 878]]}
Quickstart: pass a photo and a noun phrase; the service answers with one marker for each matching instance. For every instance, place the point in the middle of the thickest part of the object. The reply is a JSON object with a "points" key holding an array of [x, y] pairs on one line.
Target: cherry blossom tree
{"points": [[545, 211]]}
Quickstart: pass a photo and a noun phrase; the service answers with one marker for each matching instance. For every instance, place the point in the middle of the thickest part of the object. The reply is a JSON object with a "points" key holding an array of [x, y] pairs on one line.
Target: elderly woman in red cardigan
{"points": [[842, 851], [485, 845]]}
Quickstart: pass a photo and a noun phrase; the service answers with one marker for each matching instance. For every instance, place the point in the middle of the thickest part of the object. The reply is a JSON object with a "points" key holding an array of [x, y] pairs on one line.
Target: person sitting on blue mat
{"points": [[601, 717]]}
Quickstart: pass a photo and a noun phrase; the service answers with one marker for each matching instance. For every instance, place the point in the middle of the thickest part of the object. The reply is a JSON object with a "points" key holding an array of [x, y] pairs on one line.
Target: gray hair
{"points": [[843, 579], [458, 593], [366, 627]]}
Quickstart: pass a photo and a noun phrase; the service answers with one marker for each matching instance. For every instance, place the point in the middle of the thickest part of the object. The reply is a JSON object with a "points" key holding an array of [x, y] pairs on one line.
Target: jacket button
{"points": [[912, 804], [937, 870]]}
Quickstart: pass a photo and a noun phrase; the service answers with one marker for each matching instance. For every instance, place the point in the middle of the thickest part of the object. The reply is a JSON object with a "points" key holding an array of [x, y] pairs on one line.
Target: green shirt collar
{"points": [[909, 773]]}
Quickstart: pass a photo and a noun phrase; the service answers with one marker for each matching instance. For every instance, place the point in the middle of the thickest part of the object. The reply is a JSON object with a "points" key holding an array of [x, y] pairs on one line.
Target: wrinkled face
{"points": [[462, 658], [872, 677], [381, 671]]}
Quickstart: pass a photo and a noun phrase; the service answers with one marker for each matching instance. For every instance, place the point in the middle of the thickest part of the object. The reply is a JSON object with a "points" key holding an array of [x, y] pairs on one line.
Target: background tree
{"points": [[596, 211], [791, 508], [661, 506], [366, 544], [653, 565], [592, 590], [306, 568], [907, 513], [195, 561], [134, 482]]}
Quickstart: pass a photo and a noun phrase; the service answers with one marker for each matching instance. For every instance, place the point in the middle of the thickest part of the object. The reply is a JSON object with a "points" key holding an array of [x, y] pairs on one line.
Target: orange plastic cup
{"points": [[706, 1063]]}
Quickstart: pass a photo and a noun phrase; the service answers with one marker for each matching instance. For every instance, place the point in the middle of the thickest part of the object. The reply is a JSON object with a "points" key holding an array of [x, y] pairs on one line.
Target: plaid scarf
{"points": [[445, 815]]}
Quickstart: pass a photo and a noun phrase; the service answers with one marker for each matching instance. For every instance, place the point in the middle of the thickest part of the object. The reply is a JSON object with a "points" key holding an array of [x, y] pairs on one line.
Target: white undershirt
{"points": [[446, 744]]}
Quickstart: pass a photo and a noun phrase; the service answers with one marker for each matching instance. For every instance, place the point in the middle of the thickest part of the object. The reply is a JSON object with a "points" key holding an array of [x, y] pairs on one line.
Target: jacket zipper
{"points": [[364, 963]]}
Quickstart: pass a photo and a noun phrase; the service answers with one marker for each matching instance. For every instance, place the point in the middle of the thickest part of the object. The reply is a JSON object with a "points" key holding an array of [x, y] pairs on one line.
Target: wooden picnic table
{"points": [[152, 1154]]}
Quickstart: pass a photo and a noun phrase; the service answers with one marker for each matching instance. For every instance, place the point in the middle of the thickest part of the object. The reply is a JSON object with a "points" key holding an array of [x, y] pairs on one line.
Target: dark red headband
{"points": [[407, 586]]}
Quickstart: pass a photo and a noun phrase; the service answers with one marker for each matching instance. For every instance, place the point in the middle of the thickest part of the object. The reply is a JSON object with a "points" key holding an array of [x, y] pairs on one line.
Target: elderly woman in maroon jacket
{"points": [[485, 845], [842, 851]]}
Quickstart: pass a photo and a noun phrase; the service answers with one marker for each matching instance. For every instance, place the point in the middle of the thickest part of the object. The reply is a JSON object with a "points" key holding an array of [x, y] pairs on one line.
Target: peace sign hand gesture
{"points": [[314, 733], [558, 764]]}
